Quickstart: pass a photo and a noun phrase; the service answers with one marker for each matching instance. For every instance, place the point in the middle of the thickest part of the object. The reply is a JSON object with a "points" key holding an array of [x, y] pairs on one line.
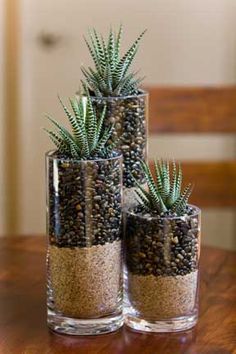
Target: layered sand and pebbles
{"points": [[162, 260], [129, 116], [84, 224]]}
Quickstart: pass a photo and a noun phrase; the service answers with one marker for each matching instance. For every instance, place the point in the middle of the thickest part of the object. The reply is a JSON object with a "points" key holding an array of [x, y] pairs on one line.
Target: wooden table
{"points": [[23, 326]]}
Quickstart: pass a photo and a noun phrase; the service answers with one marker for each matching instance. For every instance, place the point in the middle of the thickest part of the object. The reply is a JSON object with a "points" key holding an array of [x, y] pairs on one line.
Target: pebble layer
{"points": [[129, 116], [162, 297], [162, 246], [86, 282], [84, 202]]}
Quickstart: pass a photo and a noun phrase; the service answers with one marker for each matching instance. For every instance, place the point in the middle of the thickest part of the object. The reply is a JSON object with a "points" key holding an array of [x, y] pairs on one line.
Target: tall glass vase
{"points": [[84, 258], [129, 114]]}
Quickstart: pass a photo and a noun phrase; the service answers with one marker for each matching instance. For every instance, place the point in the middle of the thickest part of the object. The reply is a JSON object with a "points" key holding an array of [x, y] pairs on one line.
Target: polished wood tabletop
{"points": [[23, 328]]}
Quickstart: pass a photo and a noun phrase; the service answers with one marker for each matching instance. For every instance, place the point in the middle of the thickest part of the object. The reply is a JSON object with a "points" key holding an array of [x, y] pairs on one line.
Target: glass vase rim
{"points": [[49, 155], [142, 93], [197, 212]]}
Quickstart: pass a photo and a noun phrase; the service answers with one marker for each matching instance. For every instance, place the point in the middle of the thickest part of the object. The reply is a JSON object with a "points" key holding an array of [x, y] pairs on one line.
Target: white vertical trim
{"points": [[11, 114], [2, 179]]}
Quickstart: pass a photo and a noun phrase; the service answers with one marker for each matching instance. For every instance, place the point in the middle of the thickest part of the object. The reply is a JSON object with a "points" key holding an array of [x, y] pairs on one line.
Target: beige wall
{"points": [[188, 42], [2, 183]]}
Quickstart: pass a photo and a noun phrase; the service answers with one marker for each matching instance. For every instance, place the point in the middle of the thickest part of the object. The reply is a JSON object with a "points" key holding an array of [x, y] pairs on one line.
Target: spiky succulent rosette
{"points": [[164, 194], [111, 76], [89, 138]]}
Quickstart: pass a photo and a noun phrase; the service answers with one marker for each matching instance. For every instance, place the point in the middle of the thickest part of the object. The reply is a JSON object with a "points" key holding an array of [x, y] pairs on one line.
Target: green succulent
{"points": [[164, 194], [110, 76], [89, 137]]}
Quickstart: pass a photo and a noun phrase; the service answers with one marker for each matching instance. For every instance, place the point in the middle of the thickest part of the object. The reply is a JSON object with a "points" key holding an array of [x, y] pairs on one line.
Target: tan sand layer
{"points": [[86, 282], [160, 297]]}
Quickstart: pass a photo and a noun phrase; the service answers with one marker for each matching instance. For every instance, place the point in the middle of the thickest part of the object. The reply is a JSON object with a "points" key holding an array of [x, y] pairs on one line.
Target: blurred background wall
{"points": [[188, 43], [2, 226]]}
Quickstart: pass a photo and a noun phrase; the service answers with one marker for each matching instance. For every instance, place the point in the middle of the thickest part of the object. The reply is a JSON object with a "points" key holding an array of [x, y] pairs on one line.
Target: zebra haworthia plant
{"points": [[89, 138], [164, 194], [110, 76]]}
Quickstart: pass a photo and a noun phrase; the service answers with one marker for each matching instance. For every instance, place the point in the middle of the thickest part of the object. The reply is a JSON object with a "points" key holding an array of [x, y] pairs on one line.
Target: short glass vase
{"points": [[162, 271], [84, 257]]}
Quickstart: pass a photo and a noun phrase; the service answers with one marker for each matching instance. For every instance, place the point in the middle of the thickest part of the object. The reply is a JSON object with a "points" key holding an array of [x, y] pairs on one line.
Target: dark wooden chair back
{"points": [[199, 110]]}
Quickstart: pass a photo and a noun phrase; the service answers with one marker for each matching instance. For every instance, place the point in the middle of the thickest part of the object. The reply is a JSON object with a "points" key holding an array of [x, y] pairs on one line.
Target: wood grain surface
{"points": [[214, 182], [192, 110], [23, 328]]}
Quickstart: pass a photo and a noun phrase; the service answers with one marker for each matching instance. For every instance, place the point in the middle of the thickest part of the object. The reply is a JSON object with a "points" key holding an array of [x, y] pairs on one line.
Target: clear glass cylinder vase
{"points": [[84, 257], [129, 114], [162, 265]]}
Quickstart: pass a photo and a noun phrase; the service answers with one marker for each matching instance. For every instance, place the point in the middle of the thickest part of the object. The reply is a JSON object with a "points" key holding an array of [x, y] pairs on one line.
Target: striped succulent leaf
{"points": [[110, 76], [89, 137], [164, 193]]}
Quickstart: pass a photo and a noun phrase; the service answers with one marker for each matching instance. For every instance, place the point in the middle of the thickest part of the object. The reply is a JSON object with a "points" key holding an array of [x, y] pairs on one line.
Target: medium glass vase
{"points": [[84, 257]]}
